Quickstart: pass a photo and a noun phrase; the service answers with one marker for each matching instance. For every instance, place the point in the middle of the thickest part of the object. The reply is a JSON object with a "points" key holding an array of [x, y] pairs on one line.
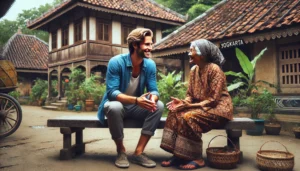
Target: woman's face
{"points": [[194, 57]]}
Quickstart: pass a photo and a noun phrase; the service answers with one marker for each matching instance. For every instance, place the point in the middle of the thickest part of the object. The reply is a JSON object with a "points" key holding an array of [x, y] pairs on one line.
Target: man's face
{"points": [[144, 50]]}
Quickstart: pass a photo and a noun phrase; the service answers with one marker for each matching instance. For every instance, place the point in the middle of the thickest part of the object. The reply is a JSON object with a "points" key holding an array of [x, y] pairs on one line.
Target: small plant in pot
{"points": [[272, 127], [88, 89], [259, 103], [297, 131]]}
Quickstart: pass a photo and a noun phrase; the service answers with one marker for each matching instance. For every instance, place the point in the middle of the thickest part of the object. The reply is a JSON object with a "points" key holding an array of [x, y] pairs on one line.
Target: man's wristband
{"points": [[136, 101]]}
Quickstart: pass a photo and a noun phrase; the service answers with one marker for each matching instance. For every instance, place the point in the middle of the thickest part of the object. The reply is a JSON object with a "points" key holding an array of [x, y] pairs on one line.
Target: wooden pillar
{"points": [[49, 85], [59, 83]]}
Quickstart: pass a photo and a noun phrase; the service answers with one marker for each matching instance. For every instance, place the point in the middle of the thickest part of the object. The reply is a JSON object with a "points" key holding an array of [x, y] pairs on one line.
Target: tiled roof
{"points": [[235, 17], [147, 8], [26, 52]]}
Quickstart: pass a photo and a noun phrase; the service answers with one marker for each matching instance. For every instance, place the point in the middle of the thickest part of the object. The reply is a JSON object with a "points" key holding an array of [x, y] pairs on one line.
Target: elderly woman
{"points": [[207, 105]]}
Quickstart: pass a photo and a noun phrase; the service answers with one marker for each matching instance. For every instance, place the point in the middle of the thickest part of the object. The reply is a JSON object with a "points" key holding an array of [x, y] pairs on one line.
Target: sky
{"points": [[19, 5]]}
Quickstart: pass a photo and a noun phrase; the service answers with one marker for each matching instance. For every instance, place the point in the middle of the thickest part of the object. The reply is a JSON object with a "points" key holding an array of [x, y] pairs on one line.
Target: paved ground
{"points": [[35, 147]]}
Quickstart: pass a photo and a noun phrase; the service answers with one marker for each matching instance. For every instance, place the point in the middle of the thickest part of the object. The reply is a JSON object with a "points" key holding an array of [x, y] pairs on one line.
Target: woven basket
{"points": [[273, 160], [220, 157]]}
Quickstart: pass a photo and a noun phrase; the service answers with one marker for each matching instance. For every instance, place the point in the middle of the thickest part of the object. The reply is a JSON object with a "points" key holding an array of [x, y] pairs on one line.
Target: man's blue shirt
{"points": [[119, 71]]}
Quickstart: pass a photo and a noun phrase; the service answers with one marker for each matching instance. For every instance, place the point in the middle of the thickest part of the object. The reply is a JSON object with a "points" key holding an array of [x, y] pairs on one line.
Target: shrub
{"points": [[171, 86]]}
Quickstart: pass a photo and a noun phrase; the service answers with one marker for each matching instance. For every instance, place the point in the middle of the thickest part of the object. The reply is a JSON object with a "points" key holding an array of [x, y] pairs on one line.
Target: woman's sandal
{"points": [[196, 166], [173, 161]]}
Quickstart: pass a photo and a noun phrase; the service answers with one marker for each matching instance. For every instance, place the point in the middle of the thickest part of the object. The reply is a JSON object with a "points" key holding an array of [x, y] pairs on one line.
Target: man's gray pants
{"points": [[116, 112]]}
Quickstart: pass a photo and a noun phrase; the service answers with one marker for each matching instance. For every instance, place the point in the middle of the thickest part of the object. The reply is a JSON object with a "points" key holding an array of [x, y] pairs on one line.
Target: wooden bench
{"points": [[69, 125]]}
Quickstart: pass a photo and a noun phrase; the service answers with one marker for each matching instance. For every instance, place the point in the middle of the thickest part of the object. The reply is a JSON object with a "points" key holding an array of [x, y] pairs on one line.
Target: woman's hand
{"points": [[176, 104]]}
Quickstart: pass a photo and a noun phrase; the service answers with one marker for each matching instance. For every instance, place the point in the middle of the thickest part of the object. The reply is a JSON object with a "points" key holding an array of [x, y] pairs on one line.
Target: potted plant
{"points": [[259, 103], [272, 127], [88, 90], [251, 98], [297, 131], [79, 105], [39, 91]]}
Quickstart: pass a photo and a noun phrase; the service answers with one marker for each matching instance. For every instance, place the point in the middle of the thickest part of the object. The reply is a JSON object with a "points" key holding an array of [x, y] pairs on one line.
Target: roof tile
{"points": [[231, 18], [26, 52], [143, 7]]}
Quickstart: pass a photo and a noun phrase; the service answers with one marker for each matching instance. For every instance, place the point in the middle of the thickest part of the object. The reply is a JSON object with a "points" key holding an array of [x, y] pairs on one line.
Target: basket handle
{"points": [[225, 137], [276, 142]]}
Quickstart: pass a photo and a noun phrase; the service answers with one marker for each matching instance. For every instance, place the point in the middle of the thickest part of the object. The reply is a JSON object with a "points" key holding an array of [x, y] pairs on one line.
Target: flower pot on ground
{"points": [[70, 106], [89, 105], [259, 127], [272, 127], [297, 132], [77, 107]]}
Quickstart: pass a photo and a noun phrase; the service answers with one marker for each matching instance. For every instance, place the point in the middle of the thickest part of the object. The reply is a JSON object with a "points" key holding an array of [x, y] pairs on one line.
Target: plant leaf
{"points": [[244, 62], [235, 86], [253, 62], [237, 74]]}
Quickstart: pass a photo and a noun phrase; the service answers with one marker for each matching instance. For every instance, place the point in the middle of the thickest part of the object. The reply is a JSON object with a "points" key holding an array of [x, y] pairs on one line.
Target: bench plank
{"points": [[93, 122]]}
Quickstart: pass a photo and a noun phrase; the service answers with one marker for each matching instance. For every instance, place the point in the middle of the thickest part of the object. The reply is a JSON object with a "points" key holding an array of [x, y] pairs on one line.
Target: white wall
{"points": [[116, 32], [92, 28], [158, 35], [50, 42], [58, 38], [84, 29], [71, 33]]}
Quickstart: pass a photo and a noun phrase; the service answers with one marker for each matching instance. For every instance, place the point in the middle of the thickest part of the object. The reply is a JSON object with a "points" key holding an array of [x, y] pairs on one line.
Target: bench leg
{"points": [[234, 136], [80, 146], [68, 150]]}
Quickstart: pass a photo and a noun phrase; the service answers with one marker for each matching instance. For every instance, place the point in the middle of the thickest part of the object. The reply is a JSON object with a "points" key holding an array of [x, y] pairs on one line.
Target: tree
{"points": [[191, 8], [10, 27], [7, 29]]}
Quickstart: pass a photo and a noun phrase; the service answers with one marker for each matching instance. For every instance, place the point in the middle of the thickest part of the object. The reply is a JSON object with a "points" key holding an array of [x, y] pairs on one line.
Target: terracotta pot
{"points": [[297, 133], [272, 129], [89, 105]]}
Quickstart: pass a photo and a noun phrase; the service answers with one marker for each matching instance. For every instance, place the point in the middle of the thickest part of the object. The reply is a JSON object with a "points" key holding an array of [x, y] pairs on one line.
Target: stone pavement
{"points": [[35, 147]]}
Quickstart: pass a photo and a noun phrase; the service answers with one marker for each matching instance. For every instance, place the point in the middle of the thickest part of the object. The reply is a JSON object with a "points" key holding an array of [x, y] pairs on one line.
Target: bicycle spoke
{"points": [[8, 123], [11, 119], [9, 108], [5, 104]]}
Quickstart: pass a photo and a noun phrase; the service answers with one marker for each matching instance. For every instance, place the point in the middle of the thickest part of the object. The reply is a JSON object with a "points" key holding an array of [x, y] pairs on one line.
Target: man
{"points": [[126, 79]]}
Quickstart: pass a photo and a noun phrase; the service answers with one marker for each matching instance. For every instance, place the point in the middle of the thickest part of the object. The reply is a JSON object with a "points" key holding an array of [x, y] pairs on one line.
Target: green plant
{"points": [[246, 78], [72, 90], [39, 90], [260, 103], [171, 86], [15, 94]]}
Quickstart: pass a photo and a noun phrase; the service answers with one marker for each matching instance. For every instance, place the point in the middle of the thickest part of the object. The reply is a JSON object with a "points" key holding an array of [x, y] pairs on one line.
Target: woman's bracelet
{"points": [[136, 101]]}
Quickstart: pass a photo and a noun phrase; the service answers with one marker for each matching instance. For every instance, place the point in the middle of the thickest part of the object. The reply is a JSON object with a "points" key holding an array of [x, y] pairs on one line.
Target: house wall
{"points": [[268, 68], [71, 33], [84, 28], [50, 42], [92, 25]]}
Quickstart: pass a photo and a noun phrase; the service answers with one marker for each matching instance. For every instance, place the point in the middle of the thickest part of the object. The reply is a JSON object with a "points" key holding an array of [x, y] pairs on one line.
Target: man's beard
{"points": [[141, 53]]}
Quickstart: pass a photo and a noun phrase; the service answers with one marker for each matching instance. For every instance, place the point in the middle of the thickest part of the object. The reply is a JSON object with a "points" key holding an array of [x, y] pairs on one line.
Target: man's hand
{"points": [[145, 103]]}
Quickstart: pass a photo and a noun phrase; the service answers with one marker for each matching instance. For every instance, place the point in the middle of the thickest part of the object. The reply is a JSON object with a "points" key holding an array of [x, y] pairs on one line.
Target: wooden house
{"points": [[87, 33]]}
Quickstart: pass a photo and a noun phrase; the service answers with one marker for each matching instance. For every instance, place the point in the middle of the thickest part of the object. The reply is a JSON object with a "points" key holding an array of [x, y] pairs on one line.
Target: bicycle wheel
{"points": [[10, 115]]}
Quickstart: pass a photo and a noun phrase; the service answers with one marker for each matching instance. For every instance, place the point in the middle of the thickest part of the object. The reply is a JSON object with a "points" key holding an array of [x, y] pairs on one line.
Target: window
{"points": [[78, 30], [54, 40], [289, 66], [65, 36], [103, 28], [125, 32]]}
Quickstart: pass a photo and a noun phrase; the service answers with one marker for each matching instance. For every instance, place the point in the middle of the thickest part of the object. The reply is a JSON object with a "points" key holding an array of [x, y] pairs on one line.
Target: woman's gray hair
{"points": [[209, 50]]}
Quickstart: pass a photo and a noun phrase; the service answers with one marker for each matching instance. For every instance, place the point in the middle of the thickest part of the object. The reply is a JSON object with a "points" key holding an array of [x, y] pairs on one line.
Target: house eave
{"points": [[43, 22]]}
